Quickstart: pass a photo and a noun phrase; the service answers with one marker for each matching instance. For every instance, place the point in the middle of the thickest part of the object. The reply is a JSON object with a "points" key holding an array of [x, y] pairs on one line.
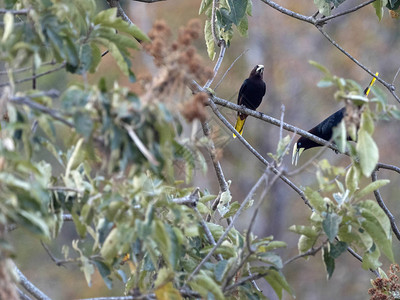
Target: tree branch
{"points": [[256, 154], [14, 12], [381, 203], [24, 100], [36, 76], [30, 287], [321, 21], [288, 12]]}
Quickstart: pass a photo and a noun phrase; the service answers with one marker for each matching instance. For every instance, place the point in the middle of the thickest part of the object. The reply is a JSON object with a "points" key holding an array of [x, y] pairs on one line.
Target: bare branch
{"points": [[30, 287], [381, 203]]}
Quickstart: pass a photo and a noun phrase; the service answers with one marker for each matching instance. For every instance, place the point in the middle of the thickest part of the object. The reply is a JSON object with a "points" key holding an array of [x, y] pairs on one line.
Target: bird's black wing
{"points": [[326, 126], [242, 91]]}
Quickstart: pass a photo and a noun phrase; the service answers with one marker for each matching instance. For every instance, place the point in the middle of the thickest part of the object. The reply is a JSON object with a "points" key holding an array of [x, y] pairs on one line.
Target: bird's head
{"points": [[257, 71], [298, 149]]}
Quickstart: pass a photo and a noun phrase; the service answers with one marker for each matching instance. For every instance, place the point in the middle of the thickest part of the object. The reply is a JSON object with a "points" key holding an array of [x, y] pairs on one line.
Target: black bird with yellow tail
{"points": [[323, 130], [250, 95]]}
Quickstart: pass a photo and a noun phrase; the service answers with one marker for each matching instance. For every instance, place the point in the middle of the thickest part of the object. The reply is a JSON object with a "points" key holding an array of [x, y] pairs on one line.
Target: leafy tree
{"points": [[110, 161]]}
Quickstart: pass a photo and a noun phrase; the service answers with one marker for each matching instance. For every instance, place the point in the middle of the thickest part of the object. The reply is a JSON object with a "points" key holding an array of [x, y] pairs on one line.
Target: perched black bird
{"points": [[250, 95], [323, 130]]}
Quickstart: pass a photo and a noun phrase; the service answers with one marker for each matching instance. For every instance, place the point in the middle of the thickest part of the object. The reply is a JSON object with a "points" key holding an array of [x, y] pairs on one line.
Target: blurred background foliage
{"points": [[284, 45]]}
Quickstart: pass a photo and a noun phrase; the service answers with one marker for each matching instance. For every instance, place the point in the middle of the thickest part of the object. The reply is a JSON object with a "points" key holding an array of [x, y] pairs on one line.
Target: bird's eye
{"points": [[299, 144]]}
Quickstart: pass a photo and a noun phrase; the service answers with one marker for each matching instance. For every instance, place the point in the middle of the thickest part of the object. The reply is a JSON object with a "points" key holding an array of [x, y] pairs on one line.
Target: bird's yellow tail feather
{"points": [[366, 91], [239, 126]]}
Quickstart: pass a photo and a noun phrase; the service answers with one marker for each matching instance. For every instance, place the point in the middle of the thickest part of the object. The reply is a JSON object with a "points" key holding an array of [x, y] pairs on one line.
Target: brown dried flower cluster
{"points": [[178, 64], [195, 108], [386, 288]]}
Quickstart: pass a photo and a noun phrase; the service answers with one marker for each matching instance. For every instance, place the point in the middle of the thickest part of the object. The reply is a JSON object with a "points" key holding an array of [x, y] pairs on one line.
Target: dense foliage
{"points": [[120, 164]]}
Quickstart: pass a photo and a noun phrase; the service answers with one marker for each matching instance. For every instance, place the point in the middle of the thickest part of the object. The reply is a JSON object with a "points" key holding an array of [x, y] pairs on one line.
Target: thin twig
{"points": [[310, 252], [142, 148], [217, 64], [30, 287], [381, 203], [57, 261], [230, 67], [395, 76]]}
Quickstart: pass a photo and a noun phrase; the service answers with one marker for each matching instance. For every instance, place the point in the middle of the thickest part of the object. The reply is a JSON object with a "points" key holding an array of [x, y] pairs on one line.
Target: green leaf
{"points": [[324, 7], [329, 262], [328, 75], [378, 5], [352, 178], [377, 224], [337, 249], [370, 259], [367, 123], [205, 4], [371, 187], [96, 57], [315, 199], [204, 284], [309, 231], [331, 225], [367, 151], [243, 26], [237, 10], [83, 124], [221, 270], [278, 282], [209, 40], [8, 21]]}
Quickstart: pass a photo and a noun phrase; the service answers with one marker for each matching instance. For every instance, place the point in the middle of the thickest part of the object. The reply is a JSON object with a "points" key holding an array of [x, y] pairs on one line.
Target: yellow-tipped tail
{"points": [[368, 89], [239, 126]]}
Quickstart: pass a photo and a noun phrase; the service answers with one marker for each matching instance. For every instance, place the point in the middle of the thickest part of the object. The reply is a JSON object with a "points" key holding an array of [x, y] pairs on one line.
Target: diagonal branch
{"points": [[385, 209], [30, 287]]}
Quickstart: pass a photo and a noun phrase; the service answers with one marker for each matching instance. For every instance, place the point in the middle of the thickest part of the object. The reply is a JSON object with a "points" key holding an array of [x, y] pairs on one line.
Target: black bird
{"points": [[250, 95], [323, 130]]}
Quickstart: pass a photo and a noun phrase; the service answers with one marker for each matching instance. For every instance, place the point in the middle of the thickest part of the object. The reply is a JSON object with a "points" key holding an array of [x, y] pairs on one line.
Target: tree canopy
{"points": [[135, 162]]}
